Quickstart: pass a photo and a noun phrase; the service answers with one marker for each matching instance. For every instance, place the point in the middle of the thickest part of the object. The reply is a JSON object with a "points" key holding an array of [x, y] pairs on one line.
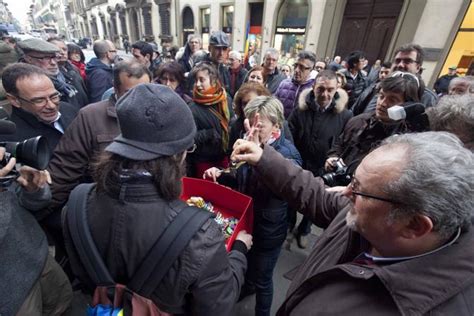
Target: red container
{"points": [[225, 200]]}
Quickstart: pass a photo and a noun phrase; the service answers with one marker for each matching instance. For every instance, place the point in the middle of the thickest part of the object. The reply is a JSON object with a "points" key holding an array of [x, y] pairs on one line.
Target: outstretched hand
{"points": [[248, 151]]}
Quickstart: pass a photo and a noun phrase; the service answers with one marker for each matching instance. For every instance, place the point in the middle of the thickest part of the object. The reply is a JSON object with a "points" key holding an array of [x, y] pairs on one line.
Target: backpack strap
{"points": [[167, 249], [81, 236]]}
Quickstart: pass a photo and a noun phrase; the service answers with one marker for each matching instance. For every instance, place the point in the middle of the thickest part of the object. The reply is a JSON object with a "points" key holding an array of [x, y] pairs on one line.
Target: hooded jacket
{"points": [[314, 130], [99, 79]]}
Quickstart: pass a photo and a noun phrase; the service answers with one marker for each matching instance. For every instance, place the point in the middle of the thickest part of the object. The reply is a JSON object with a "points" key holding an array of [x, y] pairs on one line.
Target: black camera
{"points": [[339, 176], [33, 152]]}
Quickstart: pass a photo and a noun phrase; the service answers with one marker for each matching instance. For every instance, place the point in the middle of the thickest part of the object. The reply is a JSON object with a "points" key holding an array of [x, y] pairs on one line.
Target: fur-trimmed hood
{"points": [[340, 98]]}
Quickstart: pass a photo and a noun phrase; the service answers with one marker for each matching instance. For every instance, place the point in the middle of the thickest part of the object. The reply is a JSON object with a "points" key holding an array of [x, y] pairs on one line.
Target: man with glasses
{"points": [[47, 56], [36, 106], [289, 90], [237, 71], [392, 244], [409, 58], [99, 69], [365, 131], [68, 74]]}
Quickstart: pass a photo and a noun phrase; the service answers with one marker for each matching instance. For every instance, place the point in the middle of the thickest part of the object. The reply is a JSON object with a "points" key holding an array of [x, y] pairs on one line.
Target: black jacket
{"points": [[126, 220], [208, 138], [74, 78], [314, 131], [28, 126], [354, 87]]}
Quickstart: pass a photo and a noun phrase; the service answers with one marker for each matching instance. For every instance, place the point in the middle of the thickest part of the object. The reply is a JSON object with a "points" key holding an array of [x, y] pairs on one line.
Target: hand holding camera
{"points": [[29, 178]]}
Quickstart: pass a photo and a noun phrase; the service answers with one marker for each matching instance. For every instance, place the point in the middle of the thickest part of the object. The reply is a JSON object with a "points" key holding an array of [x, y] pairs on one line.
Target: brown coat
{"points": [[92, 130], [329, 283]]}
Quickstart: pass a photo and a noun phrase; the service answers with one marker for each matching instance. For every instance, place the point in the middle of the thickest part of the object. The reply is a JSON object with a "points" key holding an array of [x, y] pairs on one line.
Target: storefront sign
{"points": [[227, 29], [290, 30], [205, 30], [188, 30]]}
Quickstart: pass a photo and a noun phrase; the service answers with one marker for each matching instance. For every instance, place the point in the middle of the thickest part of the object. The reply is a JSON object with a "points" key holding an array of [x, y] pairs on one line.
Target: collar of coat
{"points": [[306, 100]]}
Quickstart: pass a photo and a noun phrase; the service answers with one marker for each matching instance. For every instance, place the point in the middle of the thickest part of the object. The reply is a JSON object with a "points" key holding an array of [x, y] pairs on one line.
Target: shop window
{"points": [[227, 20], [205, 26], [461, 53], [291, 28]]}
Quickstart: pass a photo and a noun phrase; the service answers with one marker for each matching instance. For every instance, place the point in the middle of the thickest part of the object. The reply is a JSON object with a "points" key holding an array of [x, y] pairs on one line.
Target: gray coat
{"points": [[126, 220], [23, 246]]}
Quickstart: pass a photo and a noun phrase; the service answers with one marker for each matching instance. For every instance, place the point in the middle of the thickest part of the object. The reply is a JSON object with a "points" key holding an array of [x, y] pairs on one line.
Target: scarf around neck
{"points": [[216, 95]]}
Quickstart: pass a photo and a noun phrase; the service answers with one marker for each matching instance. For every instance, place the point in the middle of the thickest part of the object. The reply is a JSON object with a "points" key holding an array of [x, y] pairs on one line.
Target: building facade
{"points": [[326, 27]]}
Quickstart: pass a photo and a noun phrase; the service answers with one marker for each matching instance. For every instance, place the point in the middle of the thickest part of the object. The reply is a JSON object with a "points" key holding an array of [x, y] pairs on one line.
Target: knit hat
{"points": [[154, 122]]}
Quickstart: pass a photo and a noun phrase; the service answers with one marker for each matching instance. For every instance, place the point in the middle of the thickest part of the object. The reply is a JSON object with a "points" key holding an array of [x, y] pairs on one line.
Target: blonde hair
{"points": [[269, 107]]}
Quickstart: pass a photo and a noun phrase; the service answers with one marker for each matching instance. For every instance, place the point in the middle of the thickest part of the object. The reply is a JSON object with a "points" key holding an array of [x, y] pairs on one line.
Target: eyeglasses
{"points": [[191, 149], [301, 67], [46, 59], [406, 75], [407, 61], [354, 191], [112, 51], [39, 102]]}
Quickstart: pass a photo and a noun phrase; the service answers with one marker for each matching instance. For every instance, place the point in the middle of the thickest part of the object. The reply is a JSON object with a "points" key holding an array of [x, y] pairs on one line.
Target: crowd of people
{"points": [[319, 137]]}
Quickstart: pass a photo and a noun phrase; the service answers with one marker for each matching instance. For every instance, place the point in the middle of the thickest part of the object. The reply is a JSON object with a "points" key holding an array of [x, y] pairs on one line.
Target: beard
{"points": [[351, 220]]}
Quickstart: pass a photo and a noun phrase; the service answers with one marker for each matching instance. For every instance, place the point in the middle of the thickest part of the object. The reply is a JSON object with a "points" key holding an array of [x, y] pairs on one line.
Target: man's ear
{"points": [[13, 100], [418, 226]]}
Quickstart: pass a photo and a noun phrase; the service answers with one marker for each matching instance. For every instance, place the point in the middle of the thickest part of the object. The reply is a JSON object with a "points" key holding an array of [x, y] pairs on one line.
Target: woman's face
{"points": [[75, 57], [256, 76], [267, 128], [203, 81], [168, 80], [286, 71], [194, 45]]}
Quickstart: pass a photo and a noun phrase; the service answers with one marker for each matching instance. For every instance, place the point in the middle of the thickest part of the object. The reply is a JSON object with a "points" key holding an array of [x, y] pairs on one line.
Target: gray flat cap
{"points": [[38, 45], [219, 39]]}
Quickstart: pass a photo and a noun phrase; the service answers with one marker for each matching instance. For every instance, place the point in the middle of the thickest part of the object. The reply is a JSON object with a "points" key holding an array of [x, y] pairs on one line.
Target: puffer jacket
{"points": [[99, 79], [289, 91], [314, 131], [438, 283], [127, 219]]}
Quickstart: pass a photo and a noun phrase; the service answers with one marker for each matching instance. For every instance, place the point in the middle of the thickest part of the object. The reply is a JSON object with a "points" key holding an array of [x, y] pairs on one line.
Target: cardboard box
{"points": [[225, 200]]}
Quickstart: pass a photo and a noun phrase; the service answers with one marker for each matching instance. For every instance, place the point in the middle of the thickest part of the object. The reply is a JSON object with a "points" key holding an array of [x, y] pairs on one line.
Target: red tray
{"points": [[225, 200]]}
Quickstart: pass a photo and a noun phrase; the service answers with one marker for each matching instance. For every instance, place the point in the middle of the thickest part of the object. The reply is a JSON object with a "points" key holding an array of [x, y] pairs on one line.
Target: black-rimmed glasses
{"points": [[55, 98], [354, 191]]}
